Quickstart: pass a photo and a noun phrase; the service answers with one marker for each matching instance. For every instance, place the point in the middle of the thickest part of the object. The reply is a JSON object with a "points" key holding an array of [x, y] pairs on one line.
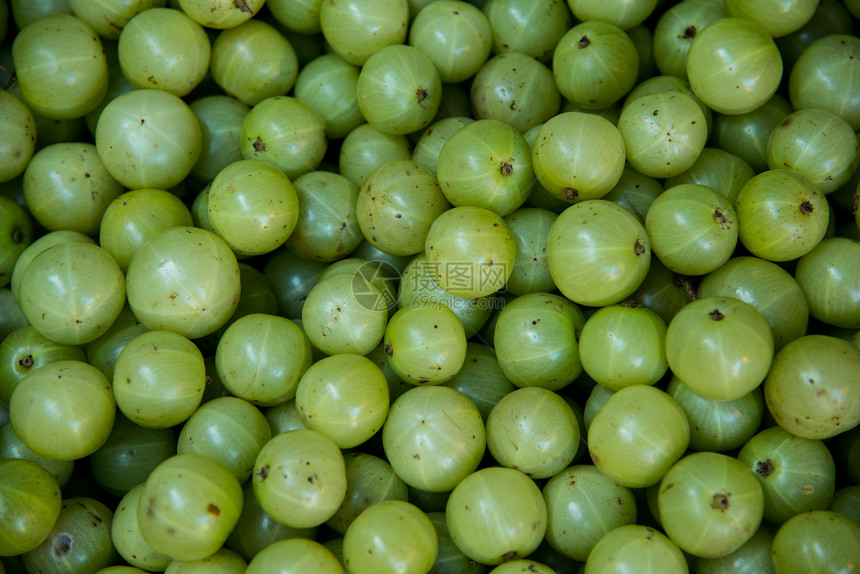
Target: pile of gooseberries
{"points": [[429, 286]]}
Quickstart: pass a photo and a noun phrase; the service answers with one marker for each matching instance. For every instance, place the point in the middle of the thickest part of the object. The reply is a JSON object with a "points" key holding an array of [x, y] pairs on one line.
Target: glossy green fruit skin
{"points": [[734, 66], [370, 479], [595, 64], [372, 545], [434, 438], [224, 561], [73, 292], [130, 453], [254, 61], [109, 18], [796, 474], [220, 118], [229, 430], [718, 426], [60, 66], [496, 514], [831, 282], [366, 147], [746, 135], [220, 14], [328, 84], [189, 505], [530, 226], [472, 251], [31, 502], [611, 258], [518, 27], [345, 397], [638, 435], [127, 538], [399, 89], [533, 430], [595, 143], [742, 336], [675, 30], [752, 556], [82, 397], [294, 556], [499, 181], [398, 202], [159, 379], [300, 478], [819, 541], [19, 140], [720, 494], [47, 240], [636, 546], [185, 279], [79, 542], [825, 77], [811, 387], [356, 31], [149, 59], [767, 287], [12, 447], [253, 207], [535, 341], [777, 17], [621, 346], [261, 358], [135, 217]]}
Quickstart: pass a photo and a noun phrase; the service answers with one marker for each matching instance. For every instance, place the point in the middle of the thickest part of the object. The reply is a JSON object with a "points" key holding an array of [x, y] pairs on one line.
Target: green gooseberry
{"points": [[220, 14], [79, 542], [285, 132], [68, 187], [595, 64], [767, 287], [746, 135], [449, 558], [425, 343], [261, 358], [734, 66], [534, 430], [294, 556], [292, 278], [784, 225], [103, 352], [472, 251], [107, 17], [675, 30], [434, 438], [664, 133], [516, 89], [224, 561], [635, 192], [328, 85], [253, 207], [752, 556], [829, 281], [254, 61], [481, 378], [719, 169], [610, 250], [255, 530], [532, 28], [63, 410], [432, 139], [220, 118], [228, 429], [159, 379], [399, 89], [818, 540], [397, 204], [630, 546], [11, 447], [155, 127], [530, 227], [26, 349], [487, 164], [345, 313], [825, 76], [16, 235], [188, 506], [130, 453], [623, 13], [365, 148], [300, 478], [72, 292], [31, 503], [774, 16], [621, 345], [184, 279], [134, 217], [60, 66], [299, 16], [164, 49], [638, 435], [18, 142], [345, 397], [536, 341], [455, 34], [373, 543], [720, 347], [596, 145], [369, 479], [356, 30]]}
